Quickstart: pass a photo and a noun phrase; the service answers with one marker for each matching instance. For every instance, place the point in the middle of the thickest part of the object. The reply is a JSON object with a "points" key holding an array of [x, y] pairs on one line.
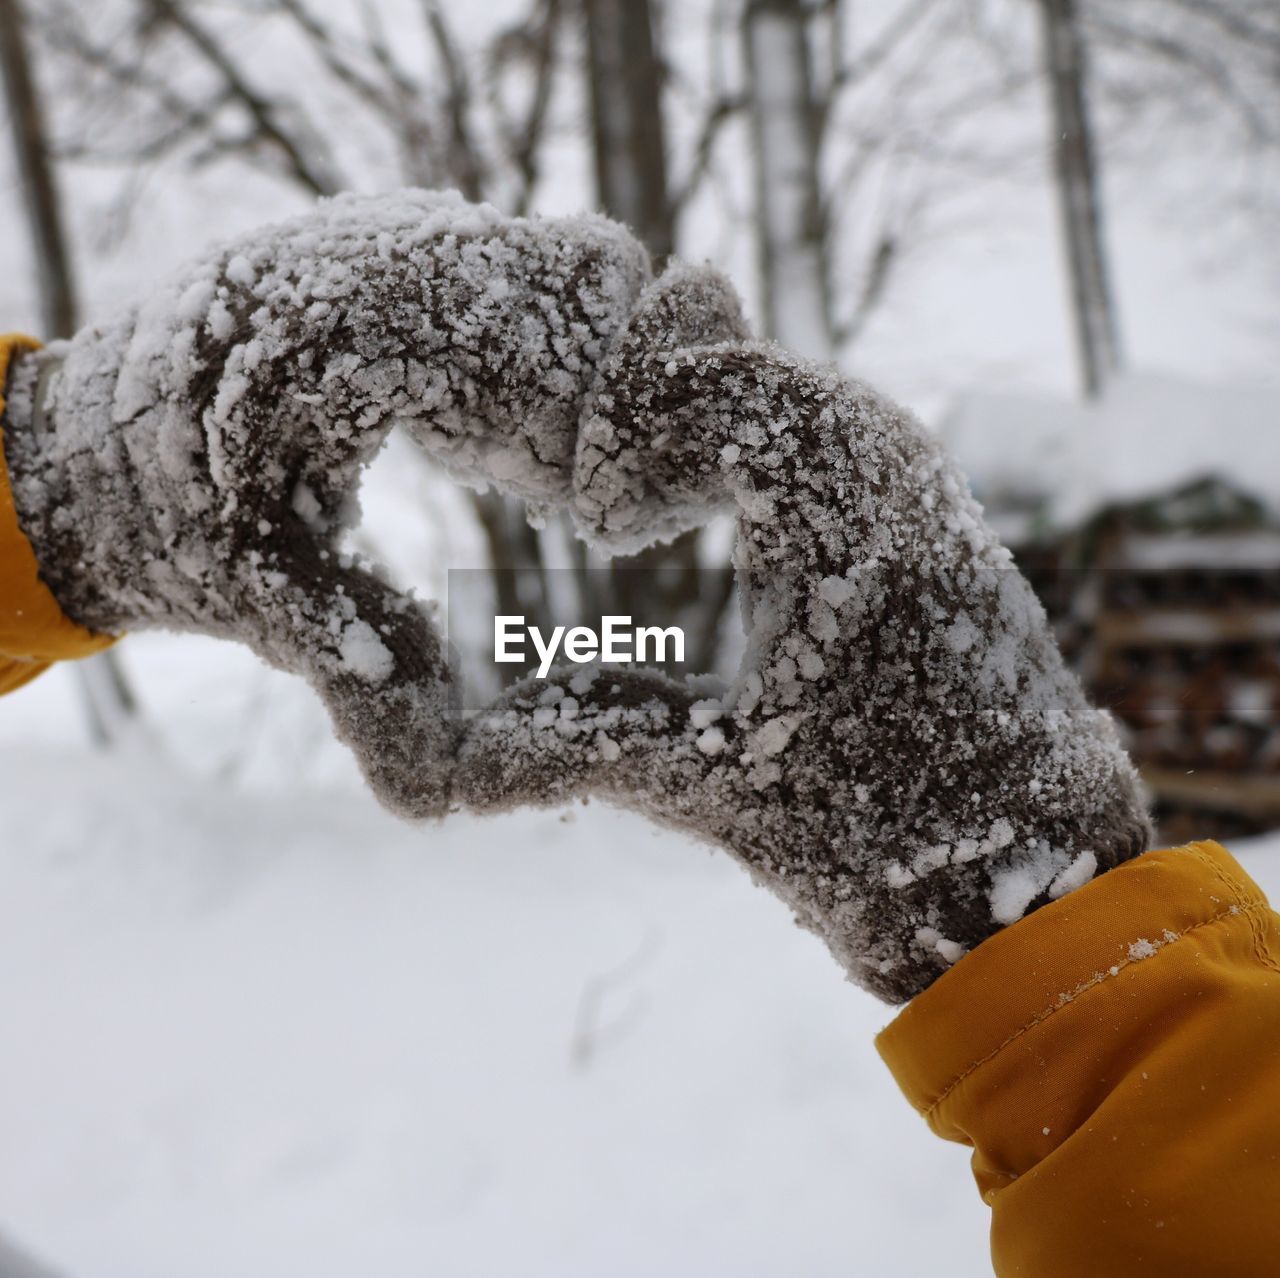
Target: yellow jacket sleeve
{"points": [[34, 631], [1114, 1062]]}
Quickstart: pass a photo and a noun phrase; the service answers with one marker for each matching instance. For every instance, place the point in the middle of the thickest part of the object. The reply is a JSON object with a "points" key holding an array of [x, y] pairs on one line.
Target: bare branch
{"points": [[466, 166], [713, 124], [44, 206], [263, 112], [1210, 69], [1235, 20], [535, 43], [328, 49], [872, 291], [887, 43], [63, 34], [870, 60]]}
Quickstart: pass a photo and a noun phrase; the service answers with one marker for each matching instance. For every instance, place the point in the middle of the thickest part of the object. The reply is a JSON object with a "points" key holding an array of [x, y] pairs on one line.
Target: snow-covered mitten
{"points": [[192, 463], [903, 758]]}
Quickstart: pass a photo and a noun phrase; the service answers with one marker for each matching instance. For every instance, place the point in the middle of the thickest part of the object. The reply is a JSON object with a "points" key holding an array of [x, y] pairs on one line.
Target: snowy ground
{"points": [[253, 1026]]}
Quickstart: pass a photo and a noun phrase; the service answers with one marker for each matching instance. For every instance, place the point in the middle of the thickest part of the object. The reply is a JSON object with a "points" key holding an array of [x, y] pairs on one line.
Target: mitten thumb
{"points": [[376, 660]]}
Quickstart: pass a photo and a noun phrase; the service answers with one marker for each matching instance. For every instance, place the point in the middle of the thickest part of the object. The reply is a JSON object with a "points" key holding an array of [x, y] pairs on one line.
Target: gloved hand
{"points": [[192, 463], [903, 758]]}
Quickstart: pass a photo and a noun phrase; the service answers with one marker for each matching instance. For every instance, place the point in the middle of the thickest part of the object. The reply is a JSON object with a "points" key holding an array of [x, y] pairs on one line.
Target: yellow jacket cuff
{"points": [[34, 631], [1111, 1059]]}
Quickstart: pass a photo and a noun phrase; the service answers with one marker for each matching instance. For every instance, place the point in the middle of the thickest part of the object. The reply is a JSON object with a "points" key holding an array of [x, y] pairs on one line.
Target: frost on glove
{"points": [[191, 464], [903, 758]]}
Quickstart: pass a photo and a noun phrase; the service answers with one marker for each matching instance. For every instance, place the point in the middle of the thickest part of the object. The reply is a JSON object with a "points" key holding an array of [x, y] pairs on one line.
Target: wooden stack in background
{"points": [[1170, 610]]}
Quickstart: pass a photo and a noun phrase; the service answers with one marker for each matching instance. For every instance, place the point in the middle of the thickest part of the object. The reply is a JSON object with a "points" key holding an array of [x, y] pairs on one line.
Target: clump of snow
{"points": [[1077, 874], [931, 939], [810, 664], [702, 714], [1041, 871], [581, 683], [1001, 833], [1012, 890], [772, 738], [364, 654], [896, 875]]}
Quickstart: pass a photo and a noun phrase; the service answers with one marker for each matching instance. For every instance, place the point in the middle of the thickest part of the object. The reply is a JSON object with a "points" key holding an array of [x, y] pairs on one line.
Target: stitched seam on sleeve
{"points": [[1229, 886], [1261, 940], [1247, 908], [1256, 918]]}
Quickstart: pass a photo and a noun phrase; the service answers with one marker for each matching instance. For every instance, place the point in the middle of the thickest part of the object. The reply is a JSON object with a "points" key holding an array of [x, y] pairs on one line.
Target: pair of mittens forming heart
{"points": [[902, 758]]}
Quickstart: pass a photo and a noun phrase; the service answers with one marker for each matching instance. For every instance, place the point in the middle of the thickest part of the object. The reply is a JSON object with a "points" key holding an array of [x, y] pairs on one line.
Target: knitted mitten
{"points": [[192, 463], [903, 758]]}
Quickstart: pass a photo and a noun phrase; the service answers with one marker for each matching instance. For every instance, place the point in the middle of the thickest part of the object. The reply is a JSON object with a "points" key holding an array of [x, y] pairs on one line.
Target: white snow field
{"points": [[253, 1026]]}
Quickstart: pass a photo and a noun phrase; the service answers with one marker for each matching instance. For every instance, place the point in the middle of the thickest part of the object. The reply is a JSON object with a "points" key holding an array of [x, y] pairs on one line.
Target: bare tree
{"points": [[105, 693], [787, 138], [1210, 68], [1079, 195], [838, 119], [860, 121], [40, 193], [472, 118], [442, 133], [630, 151], [625, 71], [1212, 63]]}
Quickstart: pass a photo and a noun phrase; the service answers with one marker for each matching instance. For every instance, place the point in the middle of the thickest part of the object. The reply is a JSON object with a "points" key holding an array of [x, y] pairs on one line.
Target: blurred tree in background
{"points": [[841, 136], [105, 693]]}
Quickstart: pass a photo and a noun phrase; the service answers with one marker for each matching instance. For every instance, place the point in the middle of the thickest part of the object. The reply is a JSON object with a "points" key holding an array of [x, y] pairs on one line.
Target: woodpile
{"points": [[1172, 618]]}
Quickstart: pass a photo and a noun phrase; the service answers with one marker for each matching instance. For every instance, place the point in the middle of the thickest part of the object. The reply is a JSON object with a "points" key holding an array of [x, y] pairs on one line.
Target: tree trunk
{"points": [[792, 241], [625, 76], [1079, 196], [625, 81], [105, 693], [44, 209]]}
